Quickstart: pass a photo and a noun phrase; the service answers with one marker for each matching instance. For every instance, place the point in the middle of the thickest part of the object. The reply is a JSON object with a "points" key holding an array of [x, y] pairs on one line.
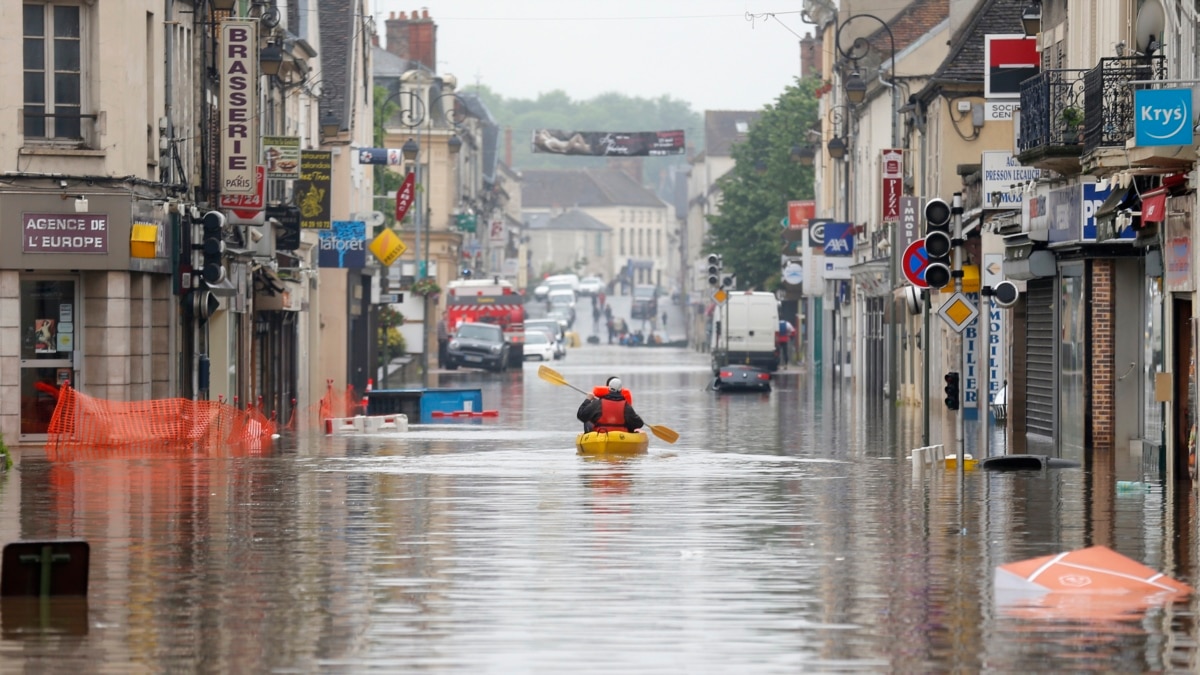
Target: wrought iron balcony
{"points": [[1108, 98], [1052, 116]]}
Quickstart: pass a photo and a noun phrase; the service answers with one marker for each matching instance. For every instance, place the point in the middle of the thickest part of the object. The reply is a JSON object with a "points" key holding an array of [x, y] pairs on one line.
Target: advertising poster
{"points": [[343, 245], [281, 155], [45, 337], [609, 143], [313, 187]]}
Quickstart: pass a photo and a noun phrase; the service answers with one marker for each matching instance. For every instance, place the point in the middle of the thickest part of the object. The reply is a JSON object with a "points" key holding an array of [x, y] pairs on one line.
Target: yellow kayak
{"points": [[612, 443]]}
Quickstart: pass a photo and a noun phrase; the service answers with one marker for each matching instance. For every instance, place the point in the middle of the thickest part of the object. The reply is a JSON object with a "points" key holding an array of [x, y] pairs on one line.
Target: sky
{"points": [[704, 52]]}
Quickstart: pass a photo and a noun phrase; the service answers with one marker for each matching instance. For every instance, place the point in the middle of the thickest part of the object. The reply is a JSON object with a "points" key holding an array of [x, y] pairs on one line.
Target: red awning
{"points": [[1154, 206]]}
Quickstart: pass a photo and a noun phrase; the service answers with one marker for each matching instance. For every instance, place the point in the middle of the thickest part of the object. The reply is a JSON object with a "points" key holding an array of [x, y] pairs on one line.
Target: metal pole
{"points": [[956, 211]]}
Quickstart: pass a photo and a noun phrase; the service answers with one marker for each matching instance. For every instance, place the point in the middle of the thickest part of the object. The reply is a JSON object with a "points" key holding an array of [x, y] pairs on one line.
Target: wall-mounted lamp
{"points": [[330, 124], [81, 204], [223, 5], [1031, 19], [410, 150], [270, 59], [836, 147], [856, 88], [803, 154], [760, 167], [455, 144]]}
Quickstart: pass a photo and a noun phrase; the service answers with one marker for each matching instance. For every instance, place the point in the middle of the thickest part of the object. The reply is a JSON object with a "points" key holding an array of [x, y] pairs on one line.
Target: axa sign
{"points": [[1162, 116], [839, 239]]}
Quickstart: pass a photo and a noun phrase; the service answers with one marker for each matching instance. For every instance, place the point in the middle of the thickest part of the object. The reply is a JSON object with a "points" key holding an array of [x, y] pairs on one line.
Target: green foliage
{"points": [[5, 458], [755, 193], [394, 345]]}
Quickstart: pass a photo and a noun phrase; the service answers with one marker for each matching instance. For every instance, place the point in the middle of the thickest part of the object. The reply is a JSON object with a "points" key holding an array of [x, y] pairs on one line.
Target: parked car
{"points": [[541, 291], [556, 331], [477, 345], [742, 378], [591, 286], [538, 345]]}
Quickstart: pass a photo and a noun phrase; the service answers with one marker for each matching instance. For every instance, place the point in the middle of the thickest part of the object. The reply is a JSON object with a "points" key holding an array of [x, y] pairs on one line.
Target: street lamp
{"points": [[836, 147], [803, 154], [413, 116], [1031, 19], [856, 92]]}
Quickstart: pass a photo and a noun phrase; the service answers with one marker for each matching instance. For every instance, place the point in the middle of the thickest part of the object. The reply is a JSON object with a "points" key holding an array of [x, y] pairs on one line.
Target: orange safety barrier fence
{"points": [[85, 427], [333, 404]]}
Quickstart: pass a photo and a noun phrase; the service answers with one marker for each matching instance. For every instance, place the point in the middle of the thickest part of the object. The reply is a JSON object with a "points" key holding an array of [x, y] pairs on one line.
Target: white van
{"points": [[743, 331]]}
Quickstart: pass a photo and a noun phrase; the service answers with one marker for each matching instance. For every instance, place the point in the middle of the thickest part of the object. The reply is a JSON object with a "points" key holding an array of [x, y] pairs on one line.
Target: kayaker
{"points": [[609, 408]]}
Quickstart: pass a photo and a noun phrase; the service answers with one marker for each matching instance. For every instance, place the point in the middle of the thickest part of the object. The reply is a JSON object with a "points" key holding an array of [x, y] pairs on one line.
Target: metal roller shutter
{"points": [[1040, 366]]}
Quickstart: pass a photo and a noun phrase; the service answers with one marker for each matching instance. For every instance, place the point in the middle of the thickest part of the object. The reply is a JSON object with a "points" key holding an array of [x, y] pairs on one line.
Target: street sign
{"points": [[404, 196], [387, 247], [389, 298], [958, 312], [913, 263], [720, 295]]}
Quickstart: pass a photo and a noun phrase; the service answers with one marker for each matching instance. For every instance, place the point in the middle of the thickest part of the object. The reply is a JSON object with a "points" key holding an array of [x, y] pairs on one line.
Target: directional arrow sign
{"points": [[958, 312]]}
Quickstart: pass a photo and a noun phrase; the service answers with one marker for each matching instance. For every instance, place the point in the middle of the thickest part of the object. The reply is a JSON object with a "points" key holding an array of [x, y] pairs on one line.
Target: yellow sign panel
{"points": [[970, 280], [720, 295], [387, 247], [958, 312]]}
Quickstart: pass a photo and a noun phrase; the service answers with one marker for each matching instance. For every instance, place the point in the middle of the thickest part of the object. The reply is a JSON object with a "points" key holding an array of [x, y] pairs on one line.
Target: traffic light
{"points": [[952, 394], [203, 304], [213, 269], [714, 270], [937, 243]]}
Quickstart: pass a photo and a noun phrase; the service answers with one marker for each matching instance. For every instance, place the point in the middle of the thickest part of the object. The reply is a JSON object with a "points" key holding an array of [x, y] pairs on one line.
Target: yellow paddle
{"points": [[553, 377]]}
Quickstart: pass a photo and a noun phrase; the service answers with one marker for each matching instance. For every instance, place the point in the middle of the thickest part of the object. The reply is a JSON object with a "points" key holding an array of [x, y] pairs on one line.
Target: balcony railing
{"points": [[1049, 103], [1108, 98]]}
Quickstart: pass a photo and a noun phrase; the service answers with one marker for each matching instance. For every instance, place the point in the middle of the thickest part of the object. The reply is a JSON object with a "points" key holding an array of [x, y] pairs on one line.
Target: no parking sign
{"points": [[913, 263]]}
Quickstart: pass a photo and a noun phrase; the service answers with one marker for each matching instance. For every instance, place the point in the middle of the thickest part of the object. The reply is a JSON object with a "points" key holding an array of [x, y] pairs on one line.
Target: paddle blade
{"points": [[550, 375], [666, 433]]}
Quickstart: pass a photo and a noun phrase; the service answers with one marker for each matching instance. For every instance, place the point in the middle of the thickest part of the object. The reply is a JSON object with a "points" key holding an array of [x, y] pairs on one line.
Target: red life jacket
{"points": [[612, 416], [602, 391]]}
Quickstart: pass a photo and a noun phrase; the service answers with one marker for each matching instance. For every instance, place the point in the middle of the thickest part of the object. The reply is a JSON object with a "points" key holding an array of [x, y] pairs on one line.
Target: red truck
{"points": [[494, 301]]}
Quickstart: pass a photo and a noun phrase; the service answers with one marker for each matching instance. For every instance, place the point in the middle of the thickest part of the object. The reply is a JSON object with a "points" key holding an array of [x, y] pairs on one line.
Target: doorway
{"points": [[48, 348]]}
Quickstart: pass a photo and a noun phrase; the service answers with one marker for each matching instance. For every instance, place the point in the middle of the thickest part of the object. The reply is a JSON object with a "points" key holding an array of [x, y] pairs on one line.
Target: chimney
{"points": [[413, 39], [810, 56]]}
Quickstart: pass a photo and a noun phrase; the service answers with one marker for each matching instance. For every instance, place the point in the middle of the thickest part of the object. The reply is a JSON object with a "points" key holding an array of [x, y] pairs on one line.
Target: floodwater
{"points": [[782, 533]]}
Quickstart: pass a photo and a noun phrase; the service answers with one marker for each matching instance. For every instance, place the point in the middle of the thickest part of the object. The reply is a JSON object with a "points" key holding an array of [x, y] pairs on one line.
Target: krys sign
{"points": [[1162, 116]]}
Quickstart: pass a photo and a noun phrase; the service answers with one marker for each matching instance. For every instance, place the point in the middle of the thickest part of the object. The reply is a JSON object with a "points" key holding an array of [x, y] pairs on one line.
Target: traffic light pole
{"points": [[956, 271]]}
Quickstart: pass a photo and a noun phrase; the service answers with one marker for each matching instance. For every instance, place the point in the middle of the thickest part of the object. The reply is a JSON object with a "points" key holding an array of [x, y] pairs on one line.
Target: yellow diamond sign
{"points": [[958, 312], [387, 247], [720, 296]]}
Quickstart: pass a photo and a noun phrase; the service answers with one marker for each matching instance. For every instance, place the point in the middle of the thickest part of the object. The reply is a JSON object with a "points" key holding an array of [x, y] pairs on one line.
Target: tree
{"points": [[754, 195]]}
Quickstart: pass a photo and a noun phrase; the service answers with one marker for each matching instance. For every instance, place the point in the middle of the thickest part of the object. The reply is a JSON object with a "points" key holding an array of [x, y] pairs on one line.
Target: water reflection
{"points": [[782, 533]]}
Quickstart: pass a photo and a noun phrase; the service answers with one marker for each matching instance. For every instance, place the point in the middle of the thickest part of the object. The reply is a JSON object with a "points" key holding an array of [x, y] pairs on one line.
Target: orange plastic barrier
{"points": [[87, 427]]}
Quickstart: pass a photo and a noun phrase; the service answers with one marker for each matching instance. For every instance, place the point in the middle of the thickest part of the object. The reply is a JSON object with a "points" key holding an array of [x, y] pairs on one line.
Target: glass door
{"points": [[48, 330]]}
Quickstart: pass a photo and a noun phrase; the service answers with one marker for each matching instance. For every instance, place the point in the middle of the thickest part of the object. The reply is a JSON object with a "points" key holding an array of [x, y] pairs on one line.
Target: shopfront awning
{"points": [[1118, 200], [1154, 206], [871, 277]]}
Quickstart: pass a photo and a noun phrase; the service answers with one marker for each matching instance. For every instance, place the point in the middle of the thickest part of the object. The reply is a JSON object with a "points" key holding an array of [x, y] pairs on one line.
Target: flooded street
{"points": [[783, 533]]}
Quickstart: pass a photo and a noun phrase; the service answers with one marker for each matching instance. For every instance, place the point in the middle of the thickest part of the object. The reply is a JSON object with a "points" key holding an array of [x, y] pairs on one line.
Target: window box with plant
{"points": [[426, 287]]}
